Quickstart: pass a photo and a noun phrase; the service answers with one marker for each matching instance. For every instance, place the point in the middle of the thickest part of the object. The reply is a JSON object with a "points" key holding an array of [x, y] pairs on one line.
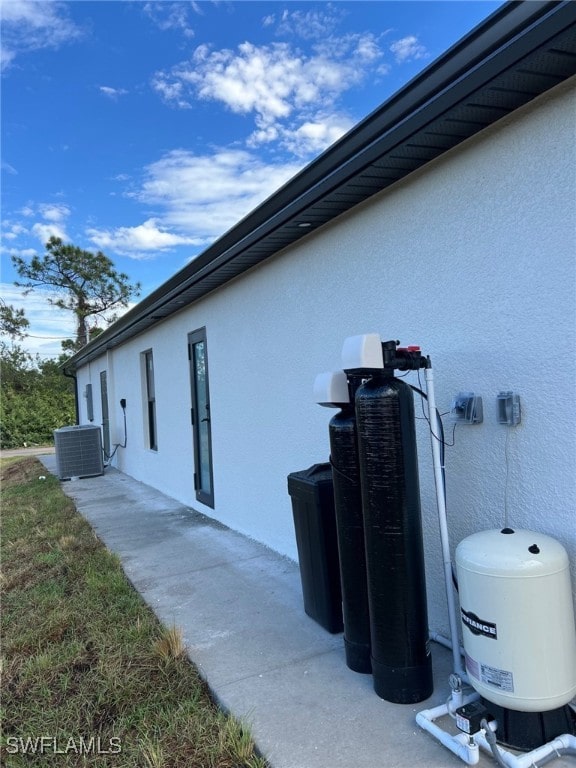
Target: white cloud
{"points": [[172, 16], [50, 220], [283, 89], [367, 47], [25, 253], [313, 137], [139, 241], [6, 58], [303, 140], [45, 230], [54, 211], [172, 92], [49, 326], [408, 49], [383, 69], [196, 198], [28, 25], [112, 93], [270, 81], [12, 230], [202, 196], [9, 168], [309, 25]]}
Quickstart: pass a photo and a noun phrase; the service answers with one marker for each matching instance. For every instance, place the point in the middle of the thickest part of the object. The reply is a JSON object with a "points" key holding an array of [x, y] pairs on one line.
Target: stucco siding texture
{"points": [[472, 258]]}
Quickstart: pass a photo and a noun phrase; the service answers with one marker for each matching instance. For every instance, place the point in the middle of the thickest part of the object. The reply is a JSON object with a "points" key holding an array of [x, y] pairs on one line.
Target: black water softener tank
{"points": [[350, 532], [401, 659]]}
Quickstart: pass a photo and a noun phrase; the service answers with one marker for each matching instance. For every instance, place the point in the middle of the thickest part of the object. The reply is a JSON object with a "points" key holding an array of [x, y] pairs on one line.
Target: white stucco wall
{"points": [[473, 258]]}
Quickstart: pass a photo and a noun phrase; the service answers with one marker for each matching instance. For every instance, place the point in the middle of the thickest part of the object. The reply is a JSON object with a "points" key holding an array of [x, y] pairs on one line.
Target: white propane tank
{"points": [[518, 619]]}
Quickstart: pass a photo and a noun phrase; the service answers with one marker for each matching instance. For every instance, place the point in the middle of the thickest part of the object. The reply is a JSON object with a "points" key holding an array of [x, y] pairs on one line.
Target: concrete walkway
{"points": [[239, 606]]}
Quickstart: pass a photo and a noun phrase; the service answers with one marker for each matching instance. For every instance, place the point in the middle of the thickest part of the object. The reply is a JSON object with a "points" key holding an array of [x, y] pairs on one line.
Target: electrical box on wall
{"points": [[89, 402], [508, 403], [467, 408]]}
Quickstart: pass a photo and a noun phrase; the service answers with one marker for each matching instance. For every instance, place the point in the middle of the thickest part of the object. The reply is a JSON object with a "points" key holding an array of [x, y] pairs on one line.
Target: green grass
{"points": [[85, 663]]}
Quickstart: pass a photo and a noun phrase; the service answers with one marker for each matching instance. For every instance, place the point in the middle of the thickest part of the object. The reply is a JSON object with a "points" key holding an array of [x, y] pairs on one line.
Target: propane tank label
{"points": [[478, 626], [499, 678]]}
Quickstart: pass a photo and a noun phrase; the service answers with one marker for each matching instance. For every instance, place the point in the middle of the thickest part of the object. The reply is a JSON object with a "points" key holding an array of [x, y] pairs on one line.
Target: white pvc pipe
{"points": [[467, 748], [461, 744], [555, 748], [436, 637], [435, 433]]}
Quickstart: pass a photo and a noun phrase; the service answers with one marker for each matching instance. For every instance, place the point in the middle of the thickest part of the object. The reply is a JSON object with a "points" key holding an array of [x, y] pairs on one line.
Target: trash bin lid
{"points": [[314, 475]]}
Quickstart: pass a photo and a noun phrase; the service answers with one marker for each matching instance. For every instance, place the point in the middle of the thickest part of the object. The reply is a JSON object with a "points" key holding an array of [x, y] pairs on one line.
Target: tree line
{"points": [[35, 395]]}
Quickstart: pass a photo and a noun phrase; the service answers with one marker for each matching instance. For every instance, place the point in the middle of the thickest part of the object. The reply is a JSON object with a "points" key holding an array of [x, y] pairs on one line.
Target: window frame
{"points": [[205, 496], [150, 397]]}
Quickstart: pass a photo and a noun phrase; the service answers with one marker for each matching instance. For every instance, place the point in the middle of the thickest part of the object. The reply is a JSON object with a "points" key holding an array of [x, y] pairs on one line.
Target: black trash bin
{"points": [[312, 496]]}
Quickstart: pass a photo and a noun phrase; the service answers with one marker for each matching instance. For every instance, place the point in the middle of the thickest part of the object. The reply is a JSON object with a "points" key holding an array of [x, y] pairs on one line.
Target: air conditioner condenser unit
{"points": [[78, 451]]}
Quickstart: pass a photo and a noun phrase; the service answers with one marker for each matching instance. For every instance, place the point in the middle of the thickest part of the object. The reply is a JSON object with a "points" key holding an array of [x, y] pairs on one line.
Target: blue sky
{"points": [[148, 129]]}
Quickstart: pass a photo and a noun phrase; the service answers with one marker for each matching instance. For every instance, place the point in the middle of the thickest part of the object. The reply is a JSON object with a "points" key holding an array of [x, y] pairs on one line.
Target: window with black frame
{"points": [[151, 400], [201, 419]]}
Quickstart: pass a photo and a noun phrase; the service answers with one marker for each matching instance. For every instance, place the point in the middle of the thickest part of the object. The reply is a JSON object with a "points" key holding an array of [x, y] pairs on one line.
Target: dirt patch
{"points": [[20, 471]]}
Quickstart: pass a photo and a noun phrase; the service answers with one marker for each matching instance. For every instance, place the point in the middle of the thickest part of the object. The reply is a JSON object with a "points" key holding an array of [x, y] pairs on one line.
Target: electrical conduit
{"points": [[444, 538]]}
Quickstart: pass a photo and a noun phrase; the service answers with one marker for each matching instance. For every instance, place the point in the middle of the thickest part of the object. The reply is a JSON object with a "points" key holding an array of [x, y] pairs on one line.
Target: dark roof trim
{"points": [[520, 51]]}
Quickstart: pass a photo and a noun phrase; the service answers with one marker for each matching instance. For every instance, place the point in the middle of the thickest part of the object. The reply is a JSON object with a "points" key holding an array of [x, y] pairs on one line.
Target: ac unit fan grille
{"points": [[78, 451]]}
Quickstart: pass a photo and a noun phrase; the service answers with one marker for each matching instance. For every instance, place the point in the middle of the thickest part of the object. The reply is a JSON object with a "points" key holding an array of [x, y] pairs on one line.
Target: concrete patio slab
{"points": [[240, 609]]}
